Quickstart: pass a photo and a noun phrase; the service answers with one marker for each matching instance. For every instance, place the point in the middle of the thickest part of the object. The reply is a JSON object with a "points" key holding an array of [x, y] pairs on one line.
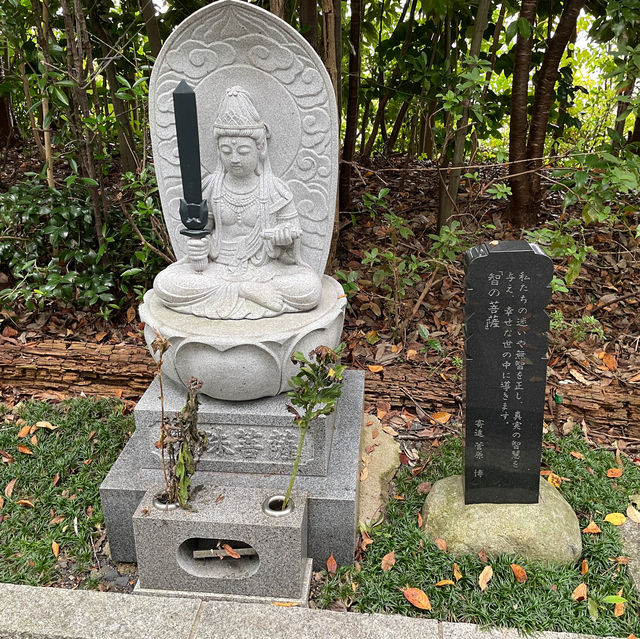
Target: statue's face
{"points": [[239, 155]]}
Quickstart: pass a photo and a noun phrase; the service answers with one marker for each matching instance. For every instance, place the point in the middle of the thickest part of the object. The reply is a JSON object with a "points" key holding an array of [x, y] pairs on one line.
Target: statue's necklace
{"points": [[238, 203]]}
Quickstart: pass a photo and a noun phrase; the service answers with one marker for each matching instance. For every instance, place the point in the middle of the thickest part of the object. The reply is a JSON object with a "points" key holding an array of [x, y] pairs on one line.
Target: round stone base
{"points": [[240, 360], [547, 531]]}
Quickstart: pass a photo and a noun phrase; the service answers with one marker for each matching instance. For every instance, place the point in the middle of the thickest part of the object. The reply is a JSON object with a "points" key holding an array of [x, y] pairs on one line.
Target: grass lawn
{"points": [[543, 601], [53, 458]]}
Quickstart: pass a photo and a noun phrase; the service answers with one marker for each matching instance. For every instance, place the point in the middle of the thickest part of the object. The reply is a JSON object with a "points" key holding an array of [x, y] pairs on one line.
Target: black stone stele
{"points": [[508, 288], [193, 209]]}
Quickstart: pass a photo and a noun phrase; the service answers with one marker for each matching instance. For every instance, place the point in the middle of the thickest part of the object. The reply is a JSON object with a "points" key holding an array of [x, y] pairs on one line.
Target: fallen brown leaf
{"points": [[610, 362], [483, 556], [441, 543], [485, 577], [389, 431], [6, 457], [285, 604], [554, 480], [519, 572], [366, 540], [456, 572], [417, 598], [25, 450], [388, 561], [9, 487], [55, 548], [25, 502], [375, 368], [633, 514], [622, 560], [374, 433], [332, 565], [57, 520], [614, 472], [56, 479], [580, 593], [584, 567], [1, 504], [618, 609], [420, 522], [34, 440], [47, 425], [424, 488], [576, 454]]}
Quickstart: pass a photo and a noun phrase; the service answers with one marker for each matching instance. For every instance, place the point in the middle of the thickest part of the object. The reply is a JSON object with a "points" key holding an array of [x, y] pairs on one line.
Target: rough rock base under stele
{"points": [[547, 531]]}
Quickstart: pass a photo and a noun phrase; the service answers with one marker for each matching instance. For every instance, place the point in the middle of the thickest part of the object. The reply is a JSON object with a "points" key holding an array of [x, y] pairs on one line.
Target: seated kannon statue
{"points": [[249, 266]]}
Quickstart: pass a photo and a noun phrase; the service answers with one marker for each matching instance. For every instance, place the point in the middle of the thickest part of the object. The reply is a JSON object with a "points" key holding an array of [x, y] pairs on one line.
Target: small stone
{"points": [[108, 573], [546, 531], [123, 582]]}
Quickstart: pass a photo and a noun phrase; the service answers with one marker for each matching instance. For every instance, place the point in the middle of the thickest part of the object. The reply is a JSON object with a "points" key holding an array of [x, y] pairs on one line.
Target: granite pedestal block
{"points": [[256, 436], [332, 498], [172, 545]]}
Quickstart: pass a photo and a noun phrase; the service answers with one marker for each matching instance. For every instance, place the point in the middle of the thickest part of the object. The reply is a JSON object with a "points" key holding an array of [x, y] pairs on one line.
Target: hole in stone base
{"points": [[203, 557]]}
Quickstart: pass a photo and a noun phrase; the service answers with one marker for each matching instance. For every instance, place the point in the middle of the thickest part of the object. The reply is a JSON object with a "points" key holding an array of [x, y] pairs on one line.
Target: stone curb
{"points": [[50, 613]]}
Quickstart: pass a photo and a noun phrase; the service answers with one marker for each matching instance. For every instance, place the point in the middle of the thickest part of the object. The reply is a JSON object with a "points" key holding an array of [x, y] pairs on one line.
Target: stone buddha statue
{"points": [[249, 266]]}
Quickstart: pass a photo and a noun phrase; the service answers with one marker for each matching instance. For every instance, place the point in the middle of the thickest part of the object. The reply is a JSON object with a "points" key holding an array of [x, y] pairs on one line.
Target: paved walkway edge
{"points": [[49, 613]]}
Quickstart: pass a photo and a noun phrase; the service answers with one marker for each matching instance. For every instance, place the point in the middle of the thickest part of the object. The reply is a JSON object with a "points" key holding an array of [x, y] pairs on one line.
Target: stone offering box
{"points": [[244, 129]]}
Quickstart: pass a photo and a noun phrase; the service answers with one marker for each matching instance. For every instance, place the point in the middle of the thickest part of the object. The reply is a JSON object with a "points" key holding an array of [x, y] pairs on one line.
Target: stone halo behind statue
{"points": [[262, 295]]}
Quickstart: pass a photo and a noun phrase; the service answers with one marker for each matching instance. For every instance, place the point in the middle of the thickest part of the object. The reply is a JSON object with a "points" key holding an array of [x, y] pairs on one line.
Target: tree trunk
{"points": [[308, 15], [151, 26], [277, 7], [448, 204], [634, 136], [337, 31], [329, 43], [6, 121], [397, 125], [363, 126], [351, 127], [519, 213], [388, 93], [545, 90]]}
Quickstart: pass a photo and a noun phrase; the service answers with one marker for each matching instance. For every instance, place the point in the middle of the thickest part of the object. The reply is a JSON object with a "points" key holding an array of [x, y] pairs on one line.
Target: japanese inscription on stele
{"points": [[508, 287]]}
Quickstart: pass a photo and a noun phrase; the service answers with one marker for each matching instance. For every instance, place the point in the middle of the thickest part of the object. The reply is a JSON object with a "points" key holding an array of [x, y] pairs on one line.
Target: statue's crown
{"points": [[237, 111]]}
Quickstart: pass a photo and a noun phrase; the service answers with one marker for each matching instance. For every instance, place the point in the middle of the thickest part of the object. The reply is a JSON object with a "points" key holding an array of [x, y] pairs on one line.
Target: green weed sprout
{"points": [[316, 389]]}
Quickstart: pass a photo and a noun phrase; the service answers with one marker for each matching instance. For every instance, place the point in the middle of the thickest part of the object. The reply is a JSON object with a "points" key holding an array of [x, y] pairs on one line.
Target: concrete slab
{"points": [[38, 613], [630, 534], [225, 621], [471, 631]]}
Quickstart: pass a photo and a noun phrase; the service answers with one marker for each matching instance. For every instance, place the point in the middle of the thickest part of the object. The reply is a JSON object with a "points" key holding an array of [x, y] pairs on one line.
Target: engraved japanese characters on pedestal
{"points": [[247, 291]]}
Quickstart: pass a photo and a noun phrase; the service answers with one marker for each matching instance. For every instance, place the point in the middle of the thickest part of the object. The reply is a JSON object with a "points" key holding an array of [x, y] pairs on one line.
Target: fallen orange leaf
{"points": [[25, 450], [417, 598], [446, 582], [580, 593], [441, 543], [419, 520], [332, 565], [388, 561], [545, 473], [614, 472], [441, 417], [376, 368], [24, 431], [456, 572], [1, 502], [34, 440], [56, 548], [56, 520], [230, 551], [519, 572], [485, 577], [610, 362], [584, 567], [25, 502], [366, 540], [576, 454], [285, 604], [389, 431], [592, 528]]}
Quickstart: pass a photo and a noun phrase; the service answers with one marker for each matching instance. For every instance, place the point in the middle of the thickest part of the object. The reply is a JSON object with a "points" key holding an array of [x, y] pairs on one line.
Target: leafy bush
{"points": [[48, 245]]}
